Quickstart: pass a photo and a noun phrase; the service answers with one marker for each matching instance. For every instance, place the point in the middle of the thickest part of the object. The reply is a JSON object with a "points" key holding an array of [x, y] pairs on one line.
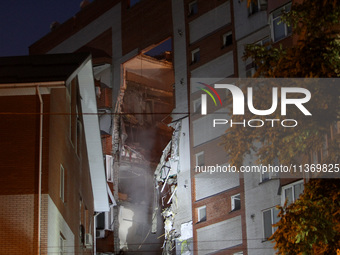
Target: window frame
{"points": [[61, 244], [197, 155], [62, 183], [278, 18], [192, 11], [199, 218], [272, 221], [250, 8], [233, 205], [197, 104], [286, 187], [194, 58], [224, 39]]}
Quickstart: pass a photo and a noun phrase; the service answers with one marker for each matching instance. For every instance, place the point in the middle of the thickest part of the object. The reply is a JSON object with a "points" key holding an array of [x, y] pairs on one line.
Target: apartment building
{"points": [[52, 181], [206, 214]]}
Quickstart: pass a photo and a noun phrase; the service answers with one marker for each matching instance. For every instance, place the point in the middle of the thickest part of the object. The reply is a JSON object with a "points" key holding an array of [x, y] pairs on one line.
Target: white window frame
{"points": [[62, 183], [197, 155], [238, 253], [224, 39], [286, 187], [273, 211], [191, 4], [233, 205], [199, 216], [277, 19], [109, 168], [193, 52]]}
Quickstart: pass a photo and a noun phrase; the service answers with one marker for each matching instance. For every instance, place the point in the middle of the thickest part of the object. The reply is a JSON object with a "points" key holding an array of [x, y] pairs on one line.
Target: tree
{"points": [[311, 225], [316, 54]]}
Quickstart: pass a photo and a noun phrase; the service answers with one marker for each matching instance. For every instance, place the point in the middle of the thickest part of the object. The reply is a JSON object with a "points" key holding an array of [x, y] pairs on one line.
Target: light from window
{"points": [[200, 159], [193, 8], [292, 192], [195, 56], [62, 183], [227, 39], [280, 30], [236, 202], [202, 213], [269, 218]]}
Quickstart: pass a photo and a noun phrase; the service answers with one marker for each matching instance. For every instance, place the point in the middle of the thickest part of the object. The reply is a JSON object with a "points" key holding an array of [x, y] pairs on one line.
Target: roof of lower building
{"points": [[40, 68]]}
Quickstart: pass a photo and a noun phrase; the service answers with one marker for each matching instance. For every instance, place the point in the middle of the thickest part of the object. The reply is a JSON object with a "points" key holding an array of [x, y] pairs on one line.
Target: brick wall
{"points": [[16, 231], [144, 24], [19, 136]]}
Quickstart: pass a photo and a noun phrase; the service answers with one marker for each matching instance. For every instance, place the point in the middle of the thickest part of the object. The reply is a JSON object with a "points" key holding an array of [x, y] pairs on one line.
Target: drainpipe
{"points": [[40, 166]]}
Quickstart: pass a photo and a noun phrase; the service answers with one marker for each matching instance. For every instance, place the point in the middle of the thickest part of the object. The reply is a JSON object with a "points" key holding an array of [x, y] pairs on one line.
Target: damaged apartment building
{"points": [[150, 58]]}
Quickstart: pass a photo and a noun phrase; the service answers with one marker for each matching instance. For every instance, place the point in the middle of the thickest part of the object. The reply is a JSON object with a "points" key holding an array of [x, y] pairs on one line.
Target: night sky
{"points": [[23, 22]]}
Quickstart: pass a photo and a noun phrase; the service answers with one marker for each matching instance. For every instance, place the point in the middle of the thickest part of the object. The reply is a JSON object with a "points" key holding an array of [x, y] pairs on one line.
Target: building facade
{"points": [[51, 183]]}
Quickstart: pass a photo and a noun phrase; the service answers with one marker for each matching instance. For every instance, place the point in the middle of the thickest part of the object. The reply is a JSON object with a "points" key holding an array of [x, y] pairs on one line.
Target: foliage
{"points": [[311, 225], [315, 54]]}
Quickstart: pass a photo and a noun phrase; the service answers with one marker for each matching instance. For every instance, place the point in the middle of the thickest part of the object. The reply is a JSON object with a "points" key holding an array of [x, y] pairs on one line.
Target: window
{"points": [[200, 159], [280, 30], [202, 213], [193, 8], [238, 253], [61, 244], [265, 176], [79, 129], [291, 192], [227, 39], [195, 56], [269, 218], [132, 3], [236, 202], [254, 7], [62, 183], [252, 67], [197, 105]]}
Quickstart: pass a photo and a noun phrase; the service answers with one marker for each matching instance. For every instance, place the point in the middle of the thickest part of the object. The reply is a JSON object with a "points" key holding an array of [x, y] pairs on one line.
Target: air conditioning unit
{"points": [[100, 233], [88, 240]]}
